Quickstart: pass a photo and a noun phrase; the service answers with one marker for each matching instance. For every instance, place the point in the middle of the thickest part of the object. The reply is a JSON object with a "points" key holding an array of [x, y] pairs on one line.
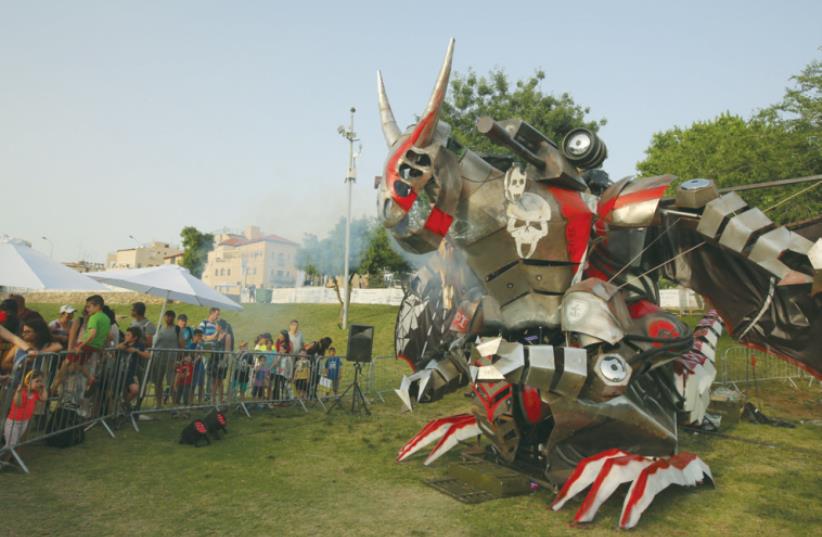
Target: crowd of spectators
{"points": [[103, 365], [288, 367]]}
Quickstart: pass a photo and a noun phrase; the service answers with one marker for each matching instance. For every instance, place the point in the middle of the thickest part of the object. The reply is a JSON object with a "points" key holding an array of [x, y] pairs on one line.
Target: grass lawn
{"points": [[284, 472]]}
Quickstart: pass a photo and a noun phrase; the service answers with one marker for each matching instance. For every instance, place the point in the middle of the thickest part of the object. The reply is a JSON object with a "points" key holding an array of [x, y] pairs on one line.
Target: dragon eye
{"points": [[420, 159], [402, 189], [407, 172]]}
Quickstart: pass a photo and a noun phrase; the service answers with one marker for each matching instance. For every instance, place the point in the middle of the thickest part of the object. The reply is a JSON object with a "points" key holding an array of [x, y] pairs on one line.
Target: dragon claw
{"points": [[449, 431], [606, 471], [421, 378]]}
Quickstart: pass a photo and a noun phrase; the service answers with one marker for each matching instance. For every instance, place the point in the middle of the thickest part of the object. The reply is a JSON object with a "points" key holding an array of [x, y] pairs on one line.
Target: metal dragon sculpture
{"points": [[542, 296]]}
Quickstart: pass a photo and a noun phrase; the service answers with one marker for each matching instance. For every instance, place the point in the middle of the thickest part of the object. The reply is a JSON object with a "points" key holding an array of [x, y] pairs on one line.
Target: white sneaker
{"points": [[144, 417]]}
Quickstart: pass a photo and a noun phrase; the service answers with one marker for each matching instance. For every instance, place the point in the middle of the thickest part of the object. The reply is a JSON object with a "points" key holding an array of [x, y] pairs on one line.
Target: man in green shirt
{"points": [[97, 326], [87, 350], [90, 345]]}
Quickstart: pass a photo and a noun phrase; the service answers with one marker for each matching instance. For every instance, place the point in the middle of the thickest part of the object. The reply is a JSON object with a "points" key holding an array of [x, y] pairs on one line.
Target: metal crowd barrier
{"points": [[740, 365], [383, 376], [114, 389]]}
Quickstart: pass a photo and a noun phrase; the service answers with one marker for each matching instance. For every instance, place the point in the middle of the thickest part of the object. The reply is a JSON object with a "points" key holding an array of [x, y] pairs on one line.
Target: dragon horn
{"points": [[428, 123], [389, 124]]}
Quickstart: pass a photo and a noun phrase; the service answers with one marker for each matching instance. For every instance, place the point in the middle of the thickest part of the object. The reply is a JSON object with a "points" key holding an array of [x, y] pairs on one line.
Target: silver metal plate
{"points": [[742, 227], [717, 211]]}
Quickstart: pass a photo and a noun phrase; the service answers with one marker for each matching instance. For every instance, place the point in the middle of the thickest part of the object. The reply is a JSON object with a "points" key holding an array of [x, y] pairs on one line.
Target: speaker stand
{"points": [[358, 401]]}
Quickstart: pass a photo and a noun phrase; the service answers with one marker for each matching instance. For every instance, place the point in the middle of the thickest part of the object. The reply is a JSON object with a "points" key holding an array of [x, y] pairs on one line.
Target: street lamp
{"points": [[51, 246], [135, 240], [350, 178]]}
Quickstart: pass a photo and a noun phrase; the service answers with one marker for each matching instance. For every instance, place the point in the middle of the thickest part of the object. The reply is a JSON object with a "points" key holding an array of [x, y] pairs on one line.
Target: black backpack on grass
{"points": [[65, 418]]}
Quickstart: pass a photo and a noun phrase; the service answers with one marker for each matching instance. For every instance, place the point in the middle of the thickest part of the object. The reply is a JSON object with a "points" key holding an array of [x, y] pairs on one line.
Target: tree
{"points": [[381, 256], [779, 142], [370, 253], [801, 108], [309, 257], [196, 246], [325, 258], [473, 96]]}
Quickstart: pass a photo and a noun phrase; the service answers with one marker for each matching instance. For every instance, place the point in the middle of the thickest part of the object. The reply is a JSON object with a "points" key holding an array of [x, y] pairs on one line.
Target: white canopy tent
{"points": [[22, 267], [172, 282]]}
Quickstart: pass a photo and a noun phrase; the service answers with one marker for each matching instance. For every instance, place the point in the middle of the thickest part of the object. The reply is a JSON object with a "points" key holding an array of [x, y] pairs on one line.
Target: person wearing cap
{"points": [[60, 327]]}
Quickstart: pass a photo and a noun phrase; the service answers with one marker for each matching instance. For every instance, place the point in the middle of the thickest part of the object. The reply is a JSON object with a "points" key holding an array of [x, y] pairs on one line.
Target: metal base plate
{"points": [[460, 490], [475, 480]]}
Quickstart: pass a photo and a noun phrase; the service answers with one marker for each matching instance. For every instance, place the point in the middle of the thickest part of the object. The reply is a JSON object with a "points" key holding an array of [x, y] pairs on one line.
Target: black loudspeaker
{"points": [[215, 422], [194, 433], [360, 342]]}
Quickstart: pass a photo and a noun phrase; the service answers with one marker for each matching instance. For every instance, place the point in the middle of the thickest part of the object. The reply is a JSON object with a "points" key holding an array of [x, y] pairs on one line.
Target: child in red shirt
{"points": [[22, 407], [185, 374]]}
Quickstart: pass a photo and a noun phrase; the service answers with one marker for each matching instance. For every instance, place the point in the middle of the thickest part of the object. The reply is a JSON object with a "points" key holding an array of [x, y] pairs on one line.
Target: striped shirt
{"points": [[209, 329]]}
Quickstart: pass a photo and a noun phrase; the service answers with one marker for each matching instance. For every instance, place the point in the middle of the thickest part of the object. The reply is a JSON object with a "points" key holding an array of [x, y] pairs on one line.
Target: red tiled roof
{"points": [[233, 241], [238, 240], [276, 238]]}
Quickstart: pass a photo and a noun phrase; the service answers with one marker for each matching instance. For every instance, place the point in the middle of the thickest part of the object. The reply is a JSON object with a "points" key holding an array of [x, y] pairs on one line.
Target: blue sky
{"points": [[138, 118]]}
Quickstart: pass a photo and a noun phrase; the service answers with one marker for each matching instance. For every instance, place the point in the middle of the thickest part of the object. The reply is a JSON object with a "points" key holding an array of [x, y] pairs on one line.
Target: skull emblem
{"points": [[514, 184], [528, 219]]}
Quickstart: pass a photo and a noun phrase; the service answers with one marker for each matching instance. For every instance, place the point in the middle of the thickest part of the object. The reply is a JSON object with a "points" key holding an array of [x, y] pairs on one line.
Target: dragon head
{"points": [[419, 189]]}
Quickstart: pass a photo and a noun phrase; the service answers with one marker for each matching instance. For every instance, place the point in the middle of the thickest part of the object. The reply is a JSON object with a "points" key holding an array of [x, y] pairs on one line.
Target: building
{"points": [[85, 266], [174, 259], [150, 255], [250, 260]]}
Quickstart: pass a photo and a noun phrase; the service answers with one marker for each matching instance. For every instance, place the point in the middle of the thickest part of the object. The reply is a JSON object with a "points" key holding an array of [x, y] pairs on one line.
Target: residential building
{"points": [[149, 255], [85, 266], [251, 260], [173, 259]]}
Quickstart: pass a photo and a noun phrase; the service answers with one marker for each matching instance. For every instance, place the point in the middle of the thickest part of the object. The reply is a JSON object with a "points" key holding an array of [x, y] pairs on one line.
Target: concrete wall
{"points": [[325, 295], [671, 299]]}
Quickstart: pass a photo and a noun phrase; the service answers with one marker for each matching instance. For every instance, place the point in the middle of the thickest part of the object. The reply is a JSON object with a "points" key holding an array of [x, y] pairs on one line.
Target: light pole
{"points": [[350, 177], [136, 254], [51, 246]]}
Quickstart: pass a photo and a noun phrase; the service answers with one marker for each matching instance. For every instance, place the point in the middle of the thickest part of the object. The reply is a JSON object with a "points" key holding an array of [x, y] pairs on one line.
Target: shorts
{"points": [[218, 373], [217, 367], [198, 379], [14, 430], [243, 377], [258, 391], [163, 368], [134, 375], [183, 391], [301, 384], [243, 386]]}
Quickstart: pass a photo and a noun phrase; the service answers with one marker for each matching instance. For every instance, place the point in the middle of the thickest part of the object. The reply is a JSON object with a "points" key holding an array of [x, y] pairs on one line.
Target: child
{"points": [[137, 356], [302, 370], [332, 369], [284, 371], [283, 343], [31, 391], [182, 381], [198, 378], [243, 371], [260, 378], [265, 346]]}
